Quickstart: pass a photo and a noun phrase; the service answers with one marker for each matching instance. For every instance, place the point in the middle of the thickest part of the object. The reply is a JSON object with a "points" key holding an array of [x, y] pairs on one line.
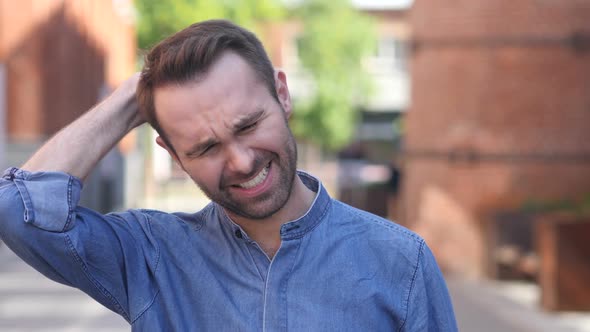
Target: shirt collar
{"points": [[299, 227]]}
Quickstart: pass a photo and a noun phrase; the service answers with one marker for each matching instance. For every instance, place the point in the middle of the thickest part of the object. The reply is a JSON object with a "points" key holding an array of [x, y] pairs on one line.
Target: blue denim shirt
{"points": [[338, 268]]}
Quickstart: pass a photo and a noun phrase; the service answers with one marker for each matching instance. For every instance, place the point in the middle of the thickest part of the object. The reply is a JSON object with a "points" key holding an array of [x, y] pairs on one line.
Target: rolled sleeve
{"points": [[43, 194], [106, 256]]}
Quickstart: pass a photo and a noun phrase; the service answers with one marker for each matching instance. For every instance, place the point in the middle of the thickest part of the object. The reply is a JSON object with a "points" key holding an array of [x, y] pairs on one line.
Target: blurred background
{"points": [[467, 121]]}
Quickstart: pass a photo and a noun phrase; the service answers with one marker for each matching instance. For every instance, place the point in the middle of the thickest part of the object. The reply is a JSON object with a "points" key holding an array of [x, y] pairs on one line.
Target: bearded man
{"points": [[271, 252]]}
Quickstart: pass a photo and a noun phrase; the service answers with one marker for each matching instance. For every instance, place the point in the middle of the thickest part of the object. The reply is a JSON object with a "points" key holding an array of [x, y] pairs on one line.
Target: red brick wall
{"points": [[58, 55], [496, 84]]}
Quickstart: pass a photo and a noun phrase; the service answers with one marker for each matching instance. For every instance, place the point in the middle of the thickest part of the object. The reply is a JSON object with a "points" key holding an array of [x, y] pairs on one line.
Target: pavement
{"points": [[508, 306], [31, 303]]}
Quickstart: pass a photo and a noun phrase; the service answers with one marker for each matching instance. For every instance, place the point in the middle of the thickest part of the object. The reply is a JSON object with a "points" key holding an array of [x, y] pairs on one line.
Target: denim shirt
{"points": [[338, 268]]}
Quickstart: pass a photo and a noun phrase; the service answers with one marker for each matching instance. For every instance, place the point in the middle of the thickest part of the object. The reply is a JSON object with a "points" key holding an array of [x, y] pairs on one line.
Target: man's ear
{"points": [[171, 152], [283, 92]]}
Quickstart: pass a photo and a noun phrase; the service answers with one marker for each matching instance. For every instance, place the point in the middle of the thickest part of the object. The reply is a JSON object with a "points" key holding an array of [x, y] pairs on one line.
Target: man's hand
{"points": [[125, 95], [77, 148]]}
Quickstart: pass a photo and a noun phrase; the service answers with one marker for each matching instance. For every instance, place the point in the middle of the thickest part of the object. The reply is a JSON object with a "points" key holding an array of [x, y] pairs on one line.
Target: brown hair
{"points": [[189, 53]]}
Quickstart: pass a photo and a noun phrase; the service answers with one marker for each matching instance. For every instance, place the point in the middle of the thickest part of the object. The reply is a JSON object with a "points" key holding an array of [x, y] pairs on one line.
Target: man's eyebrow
{"points": [[200, 147], [248, 119], [242, 122]]}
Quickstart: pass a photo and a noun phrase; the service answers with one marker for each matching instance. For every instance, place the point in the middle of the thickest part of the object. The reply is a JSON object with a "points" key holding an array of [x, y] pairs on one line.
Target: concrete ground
{"points": [[491, 306], [31, 303]]}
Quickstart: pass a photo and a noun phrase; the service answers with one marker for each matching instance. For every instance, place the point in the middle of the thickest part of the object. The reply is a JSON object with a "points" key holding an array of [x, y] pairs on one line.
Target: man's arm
{"points": [[429, 304], [77, 148], [40, 219]]}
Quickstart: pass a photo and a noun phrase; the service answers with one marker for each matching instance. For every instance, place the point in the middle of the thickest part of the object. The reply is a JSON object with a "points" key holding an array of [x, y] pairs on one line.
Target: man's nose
{"points": [[240, 159]]}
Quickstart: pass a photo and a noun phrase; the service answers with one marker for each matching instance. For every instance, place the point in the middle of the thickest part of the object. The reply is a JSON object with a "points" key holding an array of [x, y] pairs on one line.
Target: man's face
{"points": [[231, 137]]}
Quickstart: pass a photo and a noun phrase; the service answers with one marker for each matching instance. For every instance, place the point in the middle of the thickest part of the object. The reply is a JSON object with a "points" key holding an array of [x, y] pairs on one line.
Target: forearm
{"points": [[77, 148], [40, 221]]}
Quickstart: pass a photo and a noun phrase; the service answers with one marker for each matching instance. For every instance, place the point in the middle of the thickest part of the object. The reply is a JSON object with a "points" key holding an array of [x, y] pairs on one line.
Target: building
{"points": [[500, 117], [57, 59]]}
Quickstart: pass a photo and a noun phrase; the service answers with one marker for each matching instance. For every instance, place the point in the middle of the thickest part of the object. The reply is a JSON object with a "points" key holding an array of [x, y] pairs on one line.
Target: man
{"points": [[273, 252]]}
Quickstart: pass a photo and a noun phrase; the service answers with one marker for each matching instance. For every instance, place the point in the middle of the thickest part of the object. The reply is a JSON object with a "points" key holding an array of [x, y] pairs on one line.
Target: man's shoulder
{"points": [[373, 227], [156, 217]]}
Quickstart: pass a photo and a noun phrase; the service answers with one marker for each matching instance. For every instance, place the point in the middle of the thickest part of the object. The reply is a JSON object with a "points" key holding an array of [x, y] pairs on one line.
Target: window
{"points": [[391, 55]]}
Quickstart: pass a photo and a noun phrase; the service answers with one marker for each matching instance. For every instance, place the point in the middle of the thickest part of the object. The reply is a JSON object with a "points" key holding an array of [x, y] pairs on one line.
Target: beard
{"points": [[283, 166]]}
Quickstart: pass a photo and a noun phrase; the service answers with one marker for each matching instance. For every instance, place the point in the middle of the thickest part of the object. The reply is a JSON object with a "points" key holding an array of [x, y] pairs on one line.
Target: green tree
{"points": [[334, 40], [158, 19], [333, 43]]}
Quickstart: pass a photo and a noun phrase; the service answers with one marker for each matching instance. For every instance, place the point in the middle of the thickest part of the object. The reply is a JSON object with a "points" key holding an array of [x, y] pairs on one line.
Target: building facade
{"points": [[57, 59], [500, 117]]}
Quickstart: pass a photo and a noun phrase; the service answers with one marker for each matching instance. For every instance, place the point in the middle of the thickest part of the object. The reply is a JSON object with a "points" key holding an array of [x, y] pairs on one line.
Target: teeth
{"points": [[255, 181]]}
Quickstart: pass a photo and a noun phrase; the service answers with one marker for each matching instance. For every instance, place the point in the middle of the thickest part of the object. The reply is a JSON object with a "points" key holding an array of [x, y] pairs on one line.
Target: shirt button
{"points": [[238, 234]]}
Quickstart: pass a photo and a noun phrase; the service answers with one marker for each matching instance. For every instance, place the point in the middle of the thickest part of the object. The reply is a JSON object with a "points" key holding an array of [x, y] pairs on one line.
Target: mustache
{"points": [[258, 163]]}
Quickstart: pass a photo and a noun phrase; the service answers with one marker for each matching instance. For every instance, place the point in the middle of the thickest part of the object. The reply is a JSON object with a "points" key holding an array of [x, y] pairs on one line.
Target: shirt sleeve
{"points": [[429, 304], [112, 258]]}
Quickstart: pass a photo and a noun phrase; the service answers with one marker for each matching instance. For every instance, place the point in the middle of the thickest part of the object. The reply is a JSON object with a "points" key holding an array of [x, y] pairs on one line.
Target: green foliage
{"points": [[334, 40], [578, 207], [333, 43], [158, 19]]}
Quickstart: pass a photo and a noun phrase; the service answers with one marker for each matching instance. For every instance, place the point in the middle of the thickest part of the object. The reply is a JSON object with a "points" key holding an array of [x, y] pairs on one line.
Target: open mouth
{"points": [[257, 180]]}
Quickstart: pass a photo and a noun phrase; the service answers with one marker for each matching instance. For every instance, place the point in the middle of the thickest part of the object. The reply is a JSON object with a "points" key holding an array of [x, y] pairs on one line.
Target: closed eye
{"points": [[248, 127], [208, 149]]}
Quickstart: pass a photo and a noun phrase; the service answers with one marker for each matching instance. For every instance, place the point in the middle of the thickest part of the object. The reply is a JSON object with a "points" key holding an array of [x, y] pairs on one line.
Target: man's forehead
{"points": [[189, 99], [230, 89], [184, 118]]}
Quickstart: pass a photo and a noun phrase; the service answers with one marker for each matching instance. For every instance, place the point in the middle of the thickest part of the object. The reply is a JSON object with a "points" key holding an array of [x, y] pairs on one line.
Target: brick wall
{"points": [[60, 55], [500, 115]]}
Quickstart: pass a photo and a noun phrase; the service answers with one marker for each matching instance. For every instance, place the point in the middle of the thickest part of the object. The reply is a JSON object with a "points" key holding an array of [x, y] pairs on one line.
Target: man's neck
{"points": [[267, 232]]}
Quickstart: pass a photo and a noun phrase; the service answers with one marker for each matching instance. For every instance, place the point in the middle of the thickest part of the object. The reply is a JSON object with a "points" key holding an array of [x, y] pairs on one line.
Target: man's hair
{"points": [[185, 55]]}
